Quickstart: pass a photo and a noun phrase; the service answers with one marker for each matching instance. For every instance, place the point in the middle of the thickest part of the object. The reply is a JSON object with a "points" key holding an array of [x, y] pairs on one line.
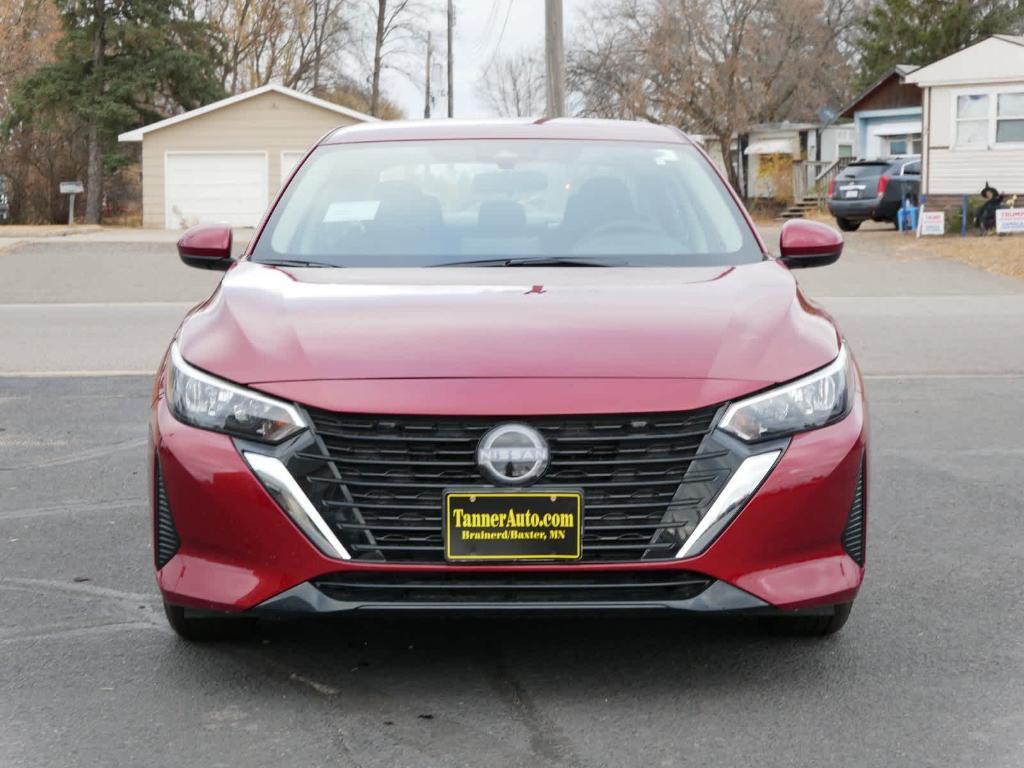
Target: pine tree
{"points": [[118, 65], [922, 31]]}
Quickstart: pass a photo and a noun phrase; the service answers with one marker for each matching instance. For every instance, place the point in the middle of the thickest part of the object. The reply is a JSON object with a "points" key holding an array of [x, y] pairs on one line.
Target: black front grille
{"points": [[378, 480], [165, 535], [854, 533], [519, 588]]}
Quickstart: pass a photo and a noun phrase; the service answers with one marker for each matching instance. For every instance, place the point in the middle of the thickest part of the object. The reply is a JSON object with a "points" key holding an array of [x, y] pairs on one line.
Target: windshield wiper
{"points": [[295, 263], [534, 261]]}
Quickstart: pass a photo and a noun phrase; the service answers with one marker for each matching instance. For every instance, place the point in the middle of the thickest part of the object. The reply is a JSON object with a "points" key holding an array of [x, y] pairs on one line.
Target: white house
{"points": [[806, 147], [973, 105]]}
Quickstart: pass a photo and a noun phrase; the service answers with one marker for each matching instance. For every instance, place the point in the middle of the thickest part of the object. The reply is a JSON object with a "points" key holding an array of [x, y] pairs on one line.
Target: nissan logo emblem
{"points": [[512, 454]]}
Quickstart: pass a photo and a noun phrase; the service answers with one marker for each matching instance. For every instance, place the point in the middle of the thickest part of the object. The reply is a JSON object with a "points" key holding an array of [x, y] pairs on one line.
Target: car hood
{"points": [[746, 324]]}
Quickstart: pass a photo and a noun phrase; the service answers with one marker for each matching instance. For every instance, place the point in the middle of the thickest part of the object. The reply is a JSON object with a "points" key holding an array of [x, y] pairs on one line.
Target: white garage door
{"points": [[224, 187]]}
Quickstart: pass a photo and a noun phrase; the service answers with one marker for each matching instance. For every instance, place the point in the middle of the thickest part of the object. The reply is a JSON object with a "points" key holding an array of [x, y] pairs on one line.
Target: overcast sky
{"points": [[478, 35]]}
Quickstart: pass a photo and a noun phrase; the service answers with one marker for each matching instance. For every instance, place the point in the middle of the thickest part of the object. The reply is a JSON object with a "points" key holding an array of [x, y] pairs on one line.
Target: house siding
{"points": [[957, 171], [891, 93], [835, 135], [271, 122], [940, 106]]}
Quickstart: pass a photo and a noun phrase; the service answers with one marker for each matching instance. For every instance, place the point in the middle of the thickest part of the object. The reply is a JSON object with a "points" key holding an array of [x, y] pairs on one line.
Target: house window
{"points": [[1010, 118], [904, 145], [972, 120], [844, 150]]}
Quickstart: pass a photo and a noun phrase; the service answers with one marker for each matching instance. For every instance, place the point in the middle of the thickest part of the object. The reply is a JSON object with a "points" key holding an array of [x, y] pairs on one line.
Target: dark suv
{"points": [[873, 189]]}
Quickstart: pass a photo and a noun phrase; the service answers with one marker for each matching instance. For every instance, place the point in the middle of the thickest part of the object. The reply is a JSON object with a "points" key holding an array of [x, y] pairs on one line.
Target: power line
{"points": [[501, 36], [483, 40]]}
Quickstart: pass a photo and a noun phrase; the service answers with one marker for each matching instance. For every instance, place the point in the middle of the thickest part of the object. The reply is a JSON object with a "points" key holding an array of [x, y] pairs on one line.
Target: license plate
{"points": [[512, 525], [852, 193]]}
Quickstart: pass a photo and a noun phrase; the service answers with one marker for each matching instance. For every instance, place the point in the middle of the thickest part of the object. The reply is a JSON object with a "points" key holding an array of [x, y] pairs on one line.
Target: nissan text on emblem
{"points": [[512, 454]]}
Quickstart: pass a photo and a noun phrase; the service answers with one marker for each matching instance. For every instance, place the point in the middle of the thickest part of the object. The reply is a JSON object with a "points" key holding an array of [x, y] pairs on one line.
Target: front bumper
{"points": [[238, 551]]}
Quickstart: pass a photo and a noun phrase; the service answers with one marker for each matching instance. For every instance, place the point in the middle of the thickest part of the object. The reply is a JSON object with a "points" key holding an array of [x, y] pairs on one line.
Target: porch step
{"points": [[799, 208]]}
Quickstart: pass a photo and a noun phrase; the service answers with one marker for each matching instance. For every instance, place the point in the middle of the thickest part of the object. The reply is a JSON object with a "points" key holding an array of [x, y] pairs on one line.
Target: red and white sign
{"points": [[932, 223], [1009, 220]]}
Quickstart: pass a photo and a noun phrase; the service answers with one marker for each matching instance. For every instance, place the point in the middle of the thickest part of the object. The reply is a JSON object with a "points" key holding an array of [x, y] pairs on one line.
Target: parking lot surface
{"points": [[927, 673]]}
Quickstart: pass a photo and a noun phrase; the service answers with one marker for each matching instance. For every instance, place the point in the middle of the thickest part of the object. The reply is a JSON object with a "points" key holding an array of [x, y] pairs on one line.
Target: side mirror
{"points": [[206, 246], [809, 244]]}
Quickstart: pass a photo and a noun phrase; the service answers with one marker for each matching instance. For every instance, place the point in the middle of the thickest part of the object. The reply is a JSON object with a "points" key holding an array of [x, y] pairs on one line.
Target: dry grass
{"points": [[1003, 255], [45, 230]]}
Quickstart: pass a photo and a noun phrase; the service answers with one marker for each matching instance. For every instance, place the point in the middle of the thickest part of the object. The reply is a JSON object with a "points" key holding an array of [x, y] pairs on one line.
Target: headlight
{"points": [[206, 402], [816, 400]]}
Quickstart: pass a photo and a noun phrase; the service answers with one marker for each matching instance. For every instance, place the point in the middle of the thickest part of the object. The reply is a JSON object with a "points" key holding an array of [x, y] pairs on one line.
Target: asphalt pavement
{"points": [[928, 672]]}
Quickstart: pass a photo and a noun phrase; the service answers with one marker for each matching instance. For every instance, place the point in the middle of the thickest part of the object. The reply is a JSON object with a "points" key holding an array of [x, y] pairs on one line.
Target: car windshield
{"points": [[506, 202]]}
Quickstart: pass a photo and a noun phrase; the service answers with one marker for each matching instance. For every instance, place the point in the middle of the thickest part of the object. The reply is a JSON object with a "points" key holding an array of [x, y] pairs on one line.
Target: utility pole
{"points": [[426, 104], [451, 59], [554, 56]]}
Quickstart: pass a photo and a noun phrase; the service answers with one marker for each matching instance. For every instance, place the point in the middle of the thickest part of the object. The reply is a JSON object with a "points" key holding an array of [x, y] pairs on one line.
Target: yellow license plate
{"points": [[512, 525]]}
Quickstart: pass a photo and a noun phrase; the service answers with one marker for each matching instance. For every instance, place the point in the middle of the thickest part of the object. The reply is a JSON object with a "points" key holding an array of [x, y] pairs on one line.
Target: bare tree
{"points": [[321, 34], [714, 68], [305, 44], [398, 29], [514, 86]]}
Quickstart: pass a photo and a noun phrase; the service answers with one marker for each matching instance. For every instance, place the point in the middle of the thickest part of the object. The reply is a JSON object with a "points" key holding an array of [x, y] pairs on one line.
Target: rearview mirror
{"points": [[809, 244], [206, 246]]}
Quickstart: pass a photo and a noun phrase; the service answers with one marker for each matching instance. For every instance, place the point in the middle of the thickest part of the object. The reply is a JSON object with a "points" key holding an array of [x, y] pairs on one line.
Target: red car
{"points": [[508, 365]]}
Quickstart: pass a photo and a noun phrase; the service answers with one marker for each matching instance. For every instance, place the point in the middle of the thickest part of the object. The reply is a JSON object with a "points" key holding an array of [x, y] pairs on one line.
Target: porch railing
{"points": [[811, 177]]}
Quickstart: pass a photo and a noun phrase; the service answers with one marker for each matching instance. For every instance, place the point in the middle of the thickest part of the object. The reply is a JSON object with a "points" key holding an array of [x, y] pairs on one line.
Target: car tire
{"points": [[847, 225], [809, 626], [206, 629]]}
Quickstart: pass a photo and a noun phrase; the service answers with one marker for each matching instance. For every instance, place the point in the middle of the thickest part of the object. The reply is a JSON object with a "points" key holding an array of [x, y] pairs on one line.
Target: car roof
{"points": [[543, 128], [887, 160]]}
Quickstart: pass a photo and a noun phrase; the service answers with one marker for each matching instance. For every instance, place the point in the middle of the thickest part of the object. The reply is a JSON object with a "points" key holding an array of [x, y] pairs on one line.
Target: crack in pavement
{"points": [[42, 586], [547, 739], [51, 632], [72, 508], [138, 611], [86, 455], [375, 702]]}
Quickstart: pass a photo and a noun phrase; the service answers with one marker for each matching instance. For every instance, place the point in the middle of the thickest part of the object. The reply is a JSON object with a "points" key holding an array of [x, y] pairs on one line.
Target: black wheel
{"points": [[810, 626], [204, 629], [847, 225]]}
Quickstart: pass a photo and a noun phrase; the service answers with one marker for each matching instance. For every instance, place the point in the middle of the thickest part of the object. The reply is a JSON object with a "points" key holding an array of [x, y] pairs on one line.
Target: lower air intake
{"points": [[520, 588], [166, 539], [853, 534]]}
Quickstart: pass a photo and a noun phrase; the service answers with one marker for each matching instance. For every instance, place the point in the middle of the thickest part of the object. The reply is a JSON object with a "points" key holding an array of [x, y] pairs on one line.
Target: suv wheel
{"points": [[203, 629], [847, 225], [810, 626]]}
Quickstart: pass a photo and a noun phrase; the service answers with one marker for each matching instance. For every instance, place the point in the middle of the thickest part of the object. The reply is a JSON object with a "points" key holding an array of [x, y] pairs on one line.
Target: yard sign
{"points": [[932, 223], [1010, 220]]}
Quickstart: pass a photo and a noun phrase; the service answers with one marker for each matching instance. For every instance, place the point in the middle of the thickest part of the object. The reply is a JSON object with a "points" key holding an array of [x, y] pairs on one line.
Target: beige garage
{"points": [[225, 161]]}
